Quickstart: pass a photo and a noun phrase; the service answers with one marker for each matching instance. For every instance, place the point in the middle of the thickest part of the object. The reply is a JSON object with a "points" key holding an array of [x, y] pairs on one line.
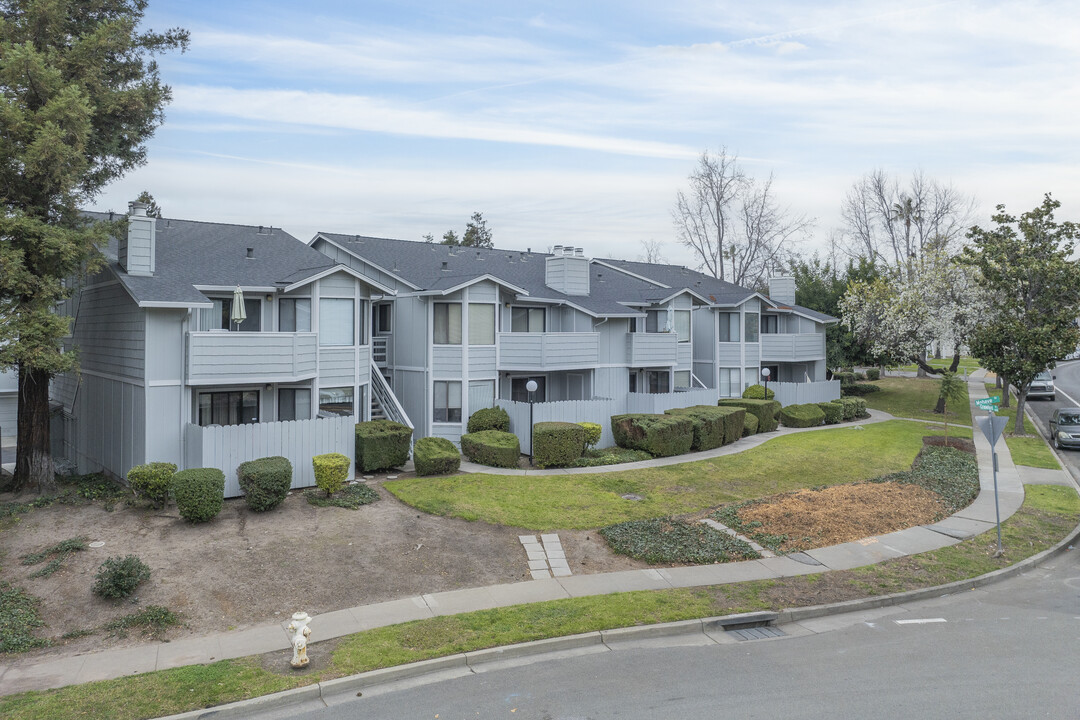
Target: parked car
{"points": [[1065, 428], [1042, 386]]}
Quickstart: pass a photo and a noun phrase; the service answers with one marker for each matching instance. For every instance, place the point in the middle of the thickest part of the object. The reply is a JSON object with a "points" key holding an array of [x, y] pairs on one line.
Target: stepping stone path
{"points": [[546, 556], [724, 528]]}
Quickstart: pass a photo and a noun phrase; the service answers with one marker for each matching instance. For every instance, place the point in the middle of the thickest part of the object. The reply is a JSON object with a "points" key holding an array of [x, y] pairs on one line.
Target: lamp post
{"points": [[531, 387], [765, 375]]}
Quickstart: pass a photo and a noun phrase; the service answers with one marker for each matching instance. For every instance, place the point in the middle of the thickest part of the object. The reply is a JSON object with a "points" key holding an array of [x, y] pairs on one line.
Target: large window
{"points": [[657, 381], [729, 382], [750, 376], [335, 401], [729, 327], [294, 315], [383, 318], [770, 324], [447, 324], [219, 317], [526, 319], [682, 379], [229, 408], [682, 325], [654, 321], [520, 393], [481, 324], [336, 325], [294, 404], [447, 401], [751, 327]]}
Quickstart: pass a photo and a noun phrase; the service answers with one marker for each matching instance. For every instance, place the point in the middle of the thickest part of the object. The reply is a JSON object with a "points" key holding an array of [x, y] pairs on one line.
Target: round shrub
{"points": [[557, 444], [493, 418], [118, 577], [382, 444], [593, 431], [833, 412], [802, 416], [860, 407], [331, 471], [492, 447], [436, 456], [199, 493], [265, 482], [873, 374], [848, 407], [750, 424], [757, 392], [151, 481], [845, 377]]}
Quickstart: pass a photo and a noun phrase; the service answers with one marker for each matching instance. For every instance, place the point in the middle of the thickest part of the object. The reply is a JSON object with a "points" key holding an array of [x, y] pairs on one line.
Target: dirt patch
{"points": [[841, 513], [964, 444]]}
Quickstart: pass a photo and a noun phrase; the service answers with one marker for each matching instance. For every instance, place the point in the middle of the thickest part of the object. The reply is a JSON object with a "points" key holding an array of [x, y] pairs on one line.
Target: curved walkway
{"points": [[17, 676]]}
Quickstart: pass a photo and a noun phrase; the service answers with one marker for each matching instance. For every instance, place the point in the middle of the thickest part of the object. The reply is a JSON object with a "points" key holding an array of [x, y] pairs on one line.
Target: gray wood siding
{"points": [[446, 361], [548, 351], [163, 433], [706, 373], [481, 362], [250, 357], [610, 383], [612, 344], [703, 324], [411, 390], [363, 374], [110, 426], [485, 291], [336, 367], [411, 335], [569, 275], [652, 349], [752, 354], [111, 333], [338, 284], [729, 354], [686, 356], [340, 256], [165, 344], [792, 346]]}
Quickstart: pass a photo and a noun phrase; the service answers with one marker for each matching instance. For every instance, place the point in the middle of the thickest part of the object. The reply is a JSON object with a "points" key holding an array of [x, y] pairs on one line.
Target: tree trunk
{"points": [[955, 364], [997, 382], [921, 365], [1005, 394], [940, 407], [33, 457], [1018, 426]]}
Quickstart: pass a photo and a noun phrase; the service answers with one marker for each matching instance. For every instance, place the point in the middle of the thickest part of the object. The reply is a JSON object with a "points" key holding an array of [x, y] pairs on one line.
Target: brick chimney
{"points": [[136, 252]]}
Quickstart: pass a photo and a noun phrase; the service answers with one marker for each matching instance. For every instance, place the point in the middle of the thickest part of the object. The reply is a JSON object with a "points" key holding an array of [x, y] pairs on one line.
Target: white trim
{"points": [[340, 267], [164, 383], [400, 279], [139, 382], [180, 305], [473, 281], [230, 288]]}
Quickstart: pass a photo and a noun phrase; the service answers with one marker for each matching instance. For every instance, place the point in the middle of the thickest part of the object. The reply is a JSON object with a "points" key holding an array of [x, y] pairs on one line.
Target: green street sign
{"points": [[990, 403]]}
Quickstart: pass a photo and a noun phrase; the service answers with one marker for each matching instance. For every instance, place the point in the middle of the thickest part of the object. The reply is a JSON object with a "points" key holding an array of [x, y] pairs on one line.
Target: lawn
{"points": [[823, 457], [966, 363], [1029, 451], [1048, 513], [916, 398]]}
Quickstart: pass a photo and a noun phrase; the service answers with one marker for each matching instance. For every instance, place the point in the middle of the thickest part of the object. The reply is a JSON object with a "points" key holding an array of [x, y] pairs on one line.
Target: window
{"points": [[657, 381], [383, 318], [750, 377], [294, 315], [218, 318], [229, 408], [336, 321], [335, 401], [447, 402], [633, 382], [682, 379], [361, 336], [481, 394], [729, 327], [294, 404], [481, 324], [447, 324], [519, 393], [729, 382], [770, 324], [751, 327], [525, 319], [682, 325], [653, 322]]}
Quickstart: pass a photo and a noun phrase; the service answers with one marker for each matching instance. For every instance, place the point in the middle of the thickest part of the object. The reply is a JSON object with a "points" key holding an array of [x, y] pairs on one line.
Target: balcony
{"points": [[224, 358], [792, 347], [652, 349], [548, 351]]}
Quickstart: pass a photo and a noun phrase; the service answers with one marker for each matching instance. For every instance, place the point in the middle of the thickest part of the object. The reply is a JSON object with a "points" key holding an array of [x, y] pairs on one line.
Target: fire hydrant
{"points": [[300, 633]]}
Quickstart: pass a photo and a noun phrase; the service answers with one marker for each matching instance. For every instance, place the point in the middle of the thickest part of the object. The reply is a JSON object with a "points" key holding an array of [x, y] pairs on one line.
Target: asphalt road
{"points": [[1010, 650], [1067, 389]]}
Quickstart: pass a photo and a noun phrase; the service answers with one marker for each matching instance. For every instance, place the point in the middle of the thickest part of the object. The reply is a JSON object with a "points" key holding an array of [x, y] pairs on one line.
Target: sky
{"points": [[577, 123]]}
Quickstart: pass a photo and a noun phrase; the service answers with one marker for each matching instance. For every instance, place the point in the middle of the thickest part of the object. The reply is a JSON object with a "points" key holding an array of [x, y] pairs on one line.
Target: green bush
{"points": [[593, 432], [873, 374], [331, 471], [802, 416], [492, 447], [833, 412], [493, 418], [859, 389], [750, 424], [436, 456], [708, 425], [845, 378], [860, 407], [848, 407], [766, 411], [757, 392], [265, 482], [860, 376], [557, 444], [381, 445], [658, 435], [199, 493], [667, 540], [118, 577], [151, 481]]}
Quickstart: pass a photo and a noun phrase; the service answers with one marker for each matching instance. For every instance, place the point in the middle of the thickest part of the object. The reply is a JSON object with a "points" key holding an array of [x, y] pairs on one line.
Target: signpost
{"points": [[992, 426]]}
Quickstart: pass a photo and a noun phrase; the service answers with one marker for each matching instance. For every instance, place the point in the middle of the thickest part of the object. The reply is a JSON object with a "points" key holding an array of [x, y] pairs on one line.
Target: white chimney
{"points": [[137, 251], [782, 290], [567, 271]]}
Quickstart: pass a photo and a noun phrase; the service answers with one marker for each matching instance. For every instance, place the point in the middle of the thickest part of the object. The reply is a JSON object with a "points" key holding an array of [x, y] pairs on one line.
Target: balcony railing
{"points": [[219, 358], [548, 351], [652, 349], [795, 347]]}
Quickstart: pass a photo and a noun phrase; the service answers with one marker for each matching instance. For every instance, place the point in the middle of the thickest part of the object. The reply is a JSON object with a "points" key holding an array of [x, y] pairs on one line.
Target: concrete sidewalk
{"points": [[16, 676]]}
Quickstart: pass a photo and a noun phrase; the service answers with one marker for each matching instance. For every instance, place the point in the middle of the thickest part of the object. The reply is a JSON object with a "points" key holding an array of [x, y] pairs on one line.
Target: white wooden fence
{"points": [[811, 392], [225, 447]]}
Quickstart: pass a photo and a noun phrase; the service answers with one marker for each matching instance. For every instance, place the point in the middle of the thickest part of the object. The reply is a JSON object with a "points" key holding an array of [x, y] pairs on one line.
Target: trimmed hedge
{"points": [[436, 456], [199, 493], [860, 407], [381, 445], [848, 407], [557, 444], [713, 426], [593, 432], [845, 378], [757, 392], [802, 416], [873, 374], [151, 481], [658, 435], [493, 418], [859, 389], [766, 411], [833, 412], [265, 482], [492, 447], [750, 424], [331, 471]]}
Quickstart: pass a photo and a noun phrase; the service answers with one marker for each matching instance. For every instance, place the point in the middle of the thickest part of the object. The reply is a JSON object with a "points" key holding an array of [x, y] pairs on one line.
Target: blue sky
{"points": [[577, 123]]}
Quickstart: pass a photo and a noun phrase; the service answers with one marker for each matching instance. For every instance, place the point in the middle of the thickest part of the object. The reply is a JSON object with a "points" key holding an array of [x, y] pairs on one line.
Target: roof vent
{"points": [[579, 252], [444, 265], [557, 250], [251, 253], [478, 255]]}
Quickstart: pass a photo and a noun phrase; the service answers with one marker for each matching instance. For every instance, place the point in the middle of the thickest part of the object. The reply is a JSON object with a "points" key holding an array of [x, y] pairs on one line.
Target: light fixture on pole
{"points": [[531, 387], [765, 375]]}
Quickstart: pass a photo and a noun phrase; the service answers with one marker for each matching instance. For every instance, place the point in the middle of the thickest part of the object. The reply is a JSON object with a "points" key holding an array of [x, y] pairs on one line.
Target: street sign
{"points": [[991, 427], [990, 403]]}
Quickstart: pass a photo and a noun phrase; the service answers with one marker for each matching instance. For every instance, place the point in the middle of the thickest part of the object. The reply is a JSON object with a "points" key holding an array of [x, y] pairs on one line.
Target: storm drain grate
{"points": [[757, 633]]}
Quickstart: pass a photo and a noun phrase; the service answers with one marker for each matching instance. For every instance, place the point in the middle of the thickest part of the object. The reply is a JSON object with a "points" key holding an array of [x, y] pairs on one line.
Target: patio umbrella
{"points": [[239, 314]]}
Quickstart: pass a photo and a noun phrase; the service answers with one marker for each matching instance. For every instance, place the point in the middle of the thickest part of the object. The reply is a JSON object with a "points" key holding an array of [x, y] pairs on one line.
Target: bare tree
{"points": [[652, 252], [734, 223]]}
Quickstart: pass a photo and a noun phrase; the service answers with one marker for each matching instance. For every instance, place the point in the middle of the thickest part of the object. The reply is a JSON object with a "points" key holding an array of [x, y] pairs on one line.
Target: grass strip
{"points": [[351, 498], [1048, 514], [1030, 451], [916, 398], [58, 552]]}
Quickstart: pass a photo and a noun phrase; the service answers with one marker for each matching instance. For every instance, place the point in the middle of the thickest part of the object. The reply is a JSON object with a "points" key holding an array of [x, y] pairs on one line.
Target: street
{"points": [[1067, 384]]}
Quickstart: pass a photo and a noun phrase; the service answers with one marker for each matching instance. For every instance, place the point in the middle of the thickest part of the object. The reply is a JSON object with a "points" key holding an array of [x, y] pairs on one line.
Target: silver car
{"points": [[1065, 427], [1042, 386]]}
